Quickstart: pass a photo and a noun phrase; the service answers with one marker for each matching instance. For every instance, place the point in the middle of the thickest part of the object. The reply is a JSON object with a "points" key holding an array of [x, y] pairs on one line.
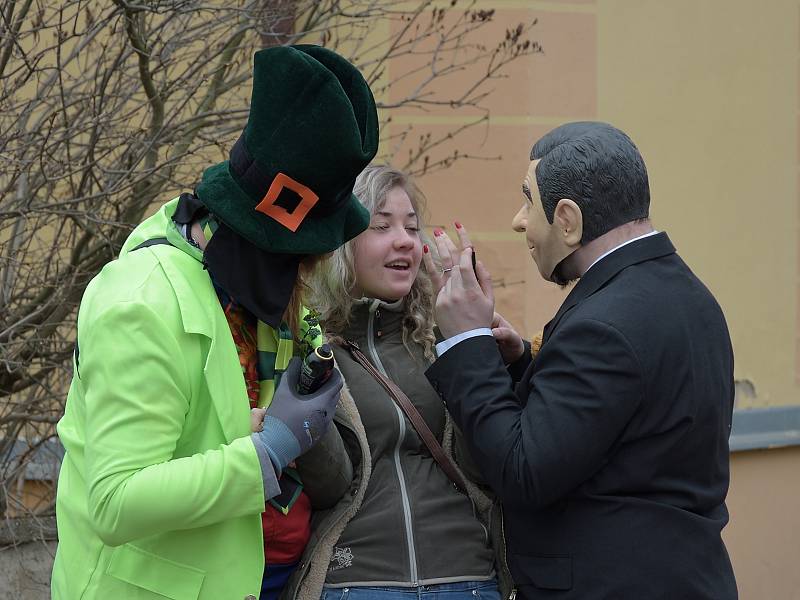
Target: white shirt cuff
{"points": [[445, 345]]}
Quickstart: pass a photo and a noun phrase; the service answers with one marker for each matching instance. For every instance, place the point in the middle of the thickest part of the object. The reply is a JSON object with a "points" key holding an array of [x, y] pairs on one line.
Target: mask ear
{"points": [[568, 221], [567, 230]]}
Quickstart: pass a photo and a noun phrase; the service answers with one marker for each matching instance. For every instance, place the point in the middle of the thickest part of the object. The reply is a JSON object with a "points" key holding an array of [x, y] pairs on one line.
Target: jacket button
{"points": [[250, 597]]}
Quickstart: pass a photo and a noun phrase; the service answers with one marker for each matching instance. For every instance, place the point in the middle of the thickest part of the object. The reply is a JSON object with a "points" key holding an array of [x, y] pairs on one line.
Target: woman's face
{"points": [[387, 255]]}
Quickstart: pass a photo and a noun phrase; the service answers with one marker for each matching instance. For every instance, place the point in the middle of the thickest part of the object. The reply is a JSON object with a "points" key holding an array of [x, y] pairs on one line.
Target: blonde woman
{"points": [[404, 530]]}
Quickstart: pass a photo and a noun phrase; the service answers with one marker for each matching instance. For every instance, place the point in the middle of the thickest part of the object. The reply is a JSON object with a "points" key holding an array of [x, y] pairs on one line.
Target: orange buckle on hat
{"points": [[290, 220]]}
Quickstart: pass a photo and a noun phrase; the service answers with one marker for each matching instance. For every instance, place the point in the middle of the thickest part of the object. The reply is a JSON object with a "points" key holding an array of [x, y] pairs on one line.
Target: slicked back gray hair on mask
{"points": [[599, 168]]}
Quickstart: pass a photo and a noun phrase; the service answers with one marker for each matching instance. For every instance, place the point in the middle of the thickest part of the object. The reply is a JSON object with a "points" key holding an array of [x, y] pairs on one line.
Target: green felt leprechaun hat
{"points": [[288, 184]]}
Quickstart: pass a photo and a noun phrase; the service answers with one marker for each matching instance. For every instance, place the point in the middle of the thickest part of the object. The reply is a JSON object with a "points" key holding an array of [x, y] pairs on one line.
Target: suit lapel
{"points": [[649, 248]]}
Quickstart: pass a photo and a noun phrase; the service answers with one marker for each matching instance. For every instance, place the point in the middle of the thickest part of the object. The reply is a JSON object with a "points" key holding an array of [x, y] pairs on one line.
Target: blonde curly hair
{"points": [[332, 283]]}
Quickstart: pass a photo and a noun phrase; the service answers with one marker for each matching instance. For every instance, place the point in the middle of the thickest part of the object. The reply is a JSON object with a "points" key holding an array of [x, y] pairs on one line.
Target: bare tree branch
{"points": [[109, 108]]}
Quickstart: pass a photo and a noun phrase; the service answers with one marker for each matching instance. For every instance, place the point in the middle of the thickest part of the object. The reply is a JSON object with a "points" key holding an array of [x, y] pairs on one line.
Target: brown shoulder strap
{"points": [[413, 415]]}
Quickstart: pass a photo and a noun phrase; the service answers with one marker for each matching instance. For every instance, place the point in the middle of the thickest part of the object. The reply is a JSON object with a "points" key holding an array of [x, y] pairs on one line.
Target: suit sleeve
{"points": [[137, 395], [584, 389], [517, 369], [464, 460]]}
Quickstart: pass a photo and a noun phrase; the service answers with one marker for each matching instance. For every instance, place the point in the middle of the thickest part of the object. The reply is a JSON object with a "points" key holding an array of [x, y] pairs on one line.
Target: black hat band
{"points": [[257, 182]]}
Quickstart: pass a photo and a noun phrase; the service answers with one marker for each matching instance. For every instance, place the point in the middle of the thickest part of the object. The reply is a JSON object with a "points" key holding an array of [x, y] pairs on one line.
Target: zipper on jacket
{"points": [[513, 593], [412, 553]]}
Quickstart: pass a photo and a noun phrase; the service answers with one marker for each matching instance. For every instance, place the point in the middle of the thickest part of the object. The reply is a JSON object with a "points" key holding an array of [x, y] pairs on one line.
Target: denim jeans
{"points": [[464, 590]]}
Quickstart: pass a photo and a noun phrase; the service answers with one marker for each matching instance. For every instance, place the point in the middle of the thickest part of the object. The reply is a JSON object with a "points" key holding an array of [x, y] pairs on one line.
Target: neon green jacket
{"points": [[160, 491]]}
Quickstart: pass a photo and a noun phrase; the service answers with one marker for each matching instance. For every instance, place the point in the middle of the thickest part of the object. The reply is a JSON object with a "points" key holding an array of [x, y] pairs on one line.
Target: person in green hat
{"points": [[164, 490]]}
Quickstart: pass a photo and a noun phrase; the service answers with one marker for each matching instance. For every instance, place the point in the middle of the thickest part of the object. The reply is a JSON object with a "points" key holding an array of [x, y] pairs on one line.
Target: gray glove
{"points": [[294, 422]]}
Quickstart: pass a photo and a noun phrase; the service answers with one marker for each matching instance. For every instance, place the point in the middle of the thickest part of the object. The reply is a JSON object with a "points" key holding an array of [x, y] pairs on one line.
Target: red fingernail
{"points": [[437, 232], [458, 225], [425, 248]]}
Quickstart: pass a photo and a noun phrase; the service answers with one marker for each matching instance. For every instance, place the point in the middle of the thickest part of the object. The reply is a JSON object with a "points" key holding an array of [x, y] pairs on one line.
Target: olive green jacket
{"points": [[316, 467]]}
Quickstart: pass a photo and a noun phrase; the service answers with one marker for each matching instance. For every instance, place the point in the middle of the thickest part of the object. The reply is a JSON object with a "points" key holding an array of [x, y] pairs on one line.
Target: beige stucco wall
{"points": [[710, 95], [763, 533]]}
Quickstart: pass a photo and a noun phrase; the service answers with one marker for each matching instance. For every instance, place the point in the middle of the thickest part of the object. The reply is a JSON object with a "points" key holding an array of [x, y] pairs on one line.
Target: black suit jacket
{"points": [[611, 454]]}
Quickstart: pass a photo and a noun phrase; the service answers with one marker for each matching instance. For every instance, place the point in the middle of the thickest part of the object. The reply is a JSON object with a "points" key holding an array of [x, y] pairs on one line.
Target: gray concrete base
{"points": [[25, 570]]}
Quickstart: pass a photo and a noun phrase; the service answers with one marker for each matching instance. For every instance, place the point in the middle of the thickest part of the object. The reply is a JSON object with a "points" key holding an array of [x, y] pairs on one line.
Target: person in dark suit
{"points": [[609, 447]]}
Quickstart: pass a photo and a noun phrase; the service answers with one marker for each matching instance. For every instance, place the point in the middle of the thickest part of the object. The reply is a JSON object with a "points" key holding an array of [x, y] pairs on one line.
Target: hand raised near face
{"points": [[464, 295], [449, 255]]}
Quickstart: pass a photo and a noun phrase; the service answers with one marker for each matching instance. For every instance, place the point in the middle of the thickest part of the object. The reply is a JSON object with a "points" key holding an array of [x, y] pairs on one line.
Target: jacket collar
{"points": [[649, 248], [199, 306], [391, 316]]}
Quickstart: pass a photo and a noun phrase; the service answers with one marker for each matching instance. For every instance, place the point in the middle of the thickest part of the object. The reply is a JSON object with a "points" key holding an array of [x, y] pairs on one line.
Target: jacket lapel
{"points": [[202, 314], [649, 248], [223, 374]]}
